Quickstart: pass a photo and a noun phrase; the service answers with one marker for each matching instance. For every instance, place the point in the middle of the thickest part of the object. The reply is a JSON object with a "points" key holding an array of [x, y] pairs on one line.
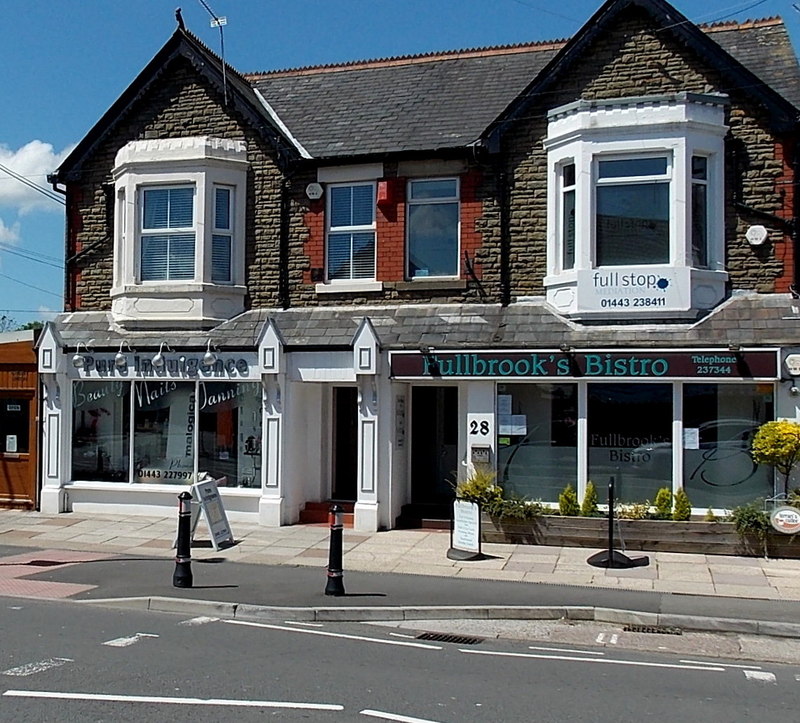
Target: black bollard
{"points": [[335, 585], [182, 577]]}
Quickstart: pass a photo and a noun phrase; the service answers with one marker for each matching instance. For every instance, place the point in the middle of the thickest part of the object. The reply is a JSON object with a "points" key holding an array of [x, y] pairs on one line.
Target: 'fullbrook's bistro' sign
{"points": [[543, 364]]}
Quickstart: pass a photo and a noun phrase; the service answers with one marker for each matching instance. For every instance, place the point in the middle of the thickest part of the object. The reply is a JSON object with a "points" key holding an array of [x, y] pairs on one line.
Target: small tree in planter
{"points": [[568, 502], [663, 504], [778, 445], [683, 507], [589, 504], [480, 487]]}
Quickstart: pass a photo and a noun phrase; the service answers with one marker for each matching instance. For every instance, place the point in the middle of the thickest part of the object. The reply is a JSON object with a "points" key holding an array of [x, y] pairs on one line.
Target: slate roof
{"points": [[747, 318], [446, 101]]}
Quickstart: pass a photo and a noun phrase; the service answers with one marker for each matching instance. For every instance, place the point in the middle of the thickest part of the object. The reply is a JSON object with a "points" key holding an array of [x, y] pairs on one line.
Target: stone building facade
{"points": [[566, 260]]}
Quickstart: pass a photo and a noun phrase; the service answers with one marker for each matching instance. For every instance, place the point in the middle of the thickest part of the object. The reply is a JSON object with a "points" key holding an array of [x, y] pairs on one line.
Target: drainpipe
{"points": [[283, 249], [501, 180]]}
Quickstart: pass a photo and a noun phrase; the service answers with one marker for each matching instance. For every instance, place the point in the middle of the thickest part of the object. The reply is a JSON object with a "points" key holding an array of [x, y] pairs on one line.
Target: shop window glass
{"points": [[100, 431], [720, 421], [630, 438], [230, 432], [537, 439], [14, 425], [164, 432]]}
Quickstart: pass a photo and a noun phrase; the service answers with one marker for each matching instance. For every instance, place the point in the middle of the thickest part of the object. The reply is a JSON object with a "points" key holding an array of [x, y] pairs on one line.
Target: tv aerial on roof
{"points": [[219, 22]]}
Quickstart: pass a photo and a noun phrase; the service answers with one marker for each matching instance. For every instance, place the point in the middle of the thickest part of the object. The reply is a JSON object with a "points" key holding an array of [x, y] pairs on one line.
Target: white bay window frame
{"points": [[678, 128], [205, 164]]}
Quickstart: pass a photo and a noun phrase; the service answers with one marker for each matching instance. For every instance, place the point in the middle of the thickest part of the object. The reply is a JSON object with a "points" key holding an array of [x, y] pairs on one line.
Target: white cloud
{"points": [[9, 234], [33, 161]]}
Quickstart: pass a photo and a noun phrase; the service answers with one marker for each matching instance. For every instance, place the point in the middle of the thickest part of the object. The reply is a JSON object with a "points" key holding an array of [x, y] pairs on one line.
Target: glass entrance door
{"points": [[434, 444]]}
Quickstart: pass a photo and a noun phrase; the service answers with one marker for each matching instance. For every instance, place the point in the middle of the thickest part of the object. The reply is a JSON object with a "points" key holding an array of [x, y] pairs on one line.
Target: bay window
{"points": [[179, 234], [635, 206]]}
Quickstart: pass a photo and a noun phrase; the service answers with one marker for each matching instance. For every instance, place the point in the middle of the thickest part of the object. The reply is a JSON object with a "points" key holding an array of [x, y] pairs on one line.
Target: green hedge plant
{"points": [[480, 487]]}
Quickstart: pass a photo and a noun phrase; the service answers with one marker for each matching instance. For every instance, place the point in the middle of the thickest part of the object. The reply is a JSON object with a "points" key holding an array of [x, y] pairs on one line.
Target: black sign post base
{"points": [[617, 560], [611, 558]]}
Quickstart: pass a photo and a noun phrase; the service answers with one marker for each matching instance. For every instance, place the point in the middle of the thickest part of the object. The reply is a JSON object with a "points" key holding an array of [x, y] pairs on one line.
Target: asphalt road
{"points": [[67, 662]]}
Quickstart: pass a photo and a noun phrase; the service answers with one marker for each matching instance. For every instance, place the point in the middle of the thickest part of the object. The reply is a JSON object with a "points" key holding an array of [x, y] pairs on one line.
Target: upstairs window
{"points": [[167, 233], [179, 241], [433, 227], [632, 217], [635, 206], [222, 235], [351, 232]]}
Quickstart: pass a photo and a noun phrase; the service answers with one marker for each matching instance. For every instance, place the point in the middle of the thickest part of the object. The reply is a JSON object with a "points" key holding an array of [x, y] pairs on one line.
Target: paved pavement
{"points": [[388, 575]]}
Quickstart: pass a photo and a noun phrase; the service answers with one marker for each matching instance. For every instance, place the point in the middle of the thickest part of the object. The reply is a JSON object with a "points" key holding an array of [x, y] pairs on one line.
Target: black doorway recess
{"points": [[434, 445], [344, 486]]}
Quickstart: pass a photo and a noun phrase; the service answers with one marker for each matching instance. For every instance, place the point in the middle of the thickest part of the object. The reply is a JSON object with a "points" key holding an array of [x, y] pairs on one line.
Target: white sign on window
{"points": [[11, 443], [691, 438], [634, 289]]}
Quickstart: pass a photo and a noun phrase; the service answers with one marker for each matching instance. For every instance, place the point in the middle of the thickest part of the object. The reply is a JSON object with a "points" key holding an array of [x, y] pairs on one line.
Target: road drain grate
{"points": [[444, 638], [657, 629]]}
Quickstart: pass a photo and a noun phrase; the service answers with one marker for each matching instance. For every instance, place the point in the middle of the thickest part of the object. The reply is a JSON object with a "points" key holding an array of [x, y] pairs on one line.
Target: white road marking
{"points": [[125, 642], [727, 665], [39, 667], [393, 716], [403, 635], [610, 661], [308, 625], [600, 638], [565, 650], [760, 676], [173, 701], [614, 639], [334, 635], [201, 620]]}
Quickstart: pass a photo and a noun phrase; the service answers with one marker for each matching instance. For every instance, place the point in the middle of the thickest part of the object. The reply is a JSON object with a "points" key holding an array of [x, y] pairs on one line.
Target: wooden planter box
{"points": [[711, 538]]}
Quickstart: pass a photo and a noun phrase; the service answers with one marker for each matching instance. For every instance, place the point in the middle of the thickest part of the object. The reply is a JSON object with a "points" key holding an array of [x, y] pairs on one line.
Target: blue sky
{"points": [[66, 61]]}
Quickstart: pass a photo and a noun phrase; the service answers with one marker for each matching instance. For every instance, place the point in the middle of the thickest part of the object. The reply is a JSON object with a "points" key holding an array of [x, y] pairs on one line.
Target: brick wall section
{"points": [[785, 186], [635, 60], [182, 103], [308, 247]]}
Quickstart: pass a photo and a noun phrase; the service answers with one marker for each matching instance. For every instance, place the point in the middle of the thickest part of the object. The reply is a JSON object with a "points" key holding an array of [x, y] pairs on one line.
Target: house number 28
{"points": [[481, 428]]}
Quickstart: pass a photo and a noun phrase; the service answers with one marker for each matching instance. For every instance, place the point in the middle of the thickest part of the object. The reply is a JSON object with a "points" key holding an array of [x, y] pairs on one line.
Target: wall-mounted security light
{"points": [[120, 358], [158, 359], [79, 360], [209, 358]]}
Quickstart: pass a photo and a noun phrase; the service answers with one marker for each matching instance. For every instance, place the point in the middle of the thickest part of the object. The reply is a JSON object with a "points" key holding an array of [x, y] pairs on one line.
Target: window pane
{"points": [[568, 229], [630, 437], [363, 255], [101, 431], [222, 208], [568, 175], [363, 206], [699, 225], [433, 239], [629, 167], [538, 461], [181, 256], [436, 188], [154, 258], [632, 224], [720, 472], [230, 432], [14, 425], [341, 206], [181, 207], [339, 255], [164, 423], [700, 167], [220, 258], [156, 208]]}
